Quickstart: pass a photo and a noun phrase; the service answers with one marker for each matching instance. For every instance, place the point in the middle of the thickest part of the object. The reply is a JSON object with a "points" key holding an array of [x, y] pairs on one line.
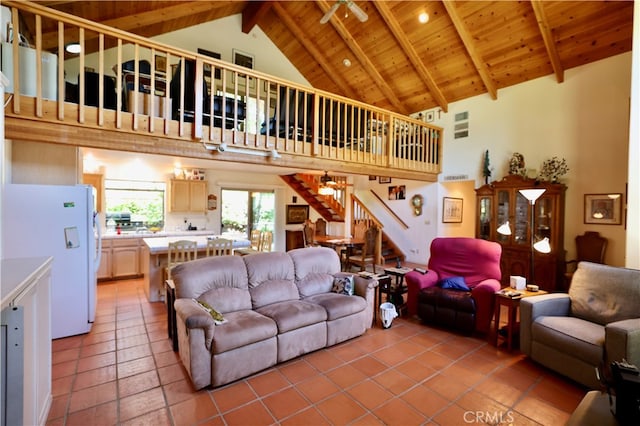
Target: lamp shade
{"points": [[532, 194], [543, 246], [504, 229]]}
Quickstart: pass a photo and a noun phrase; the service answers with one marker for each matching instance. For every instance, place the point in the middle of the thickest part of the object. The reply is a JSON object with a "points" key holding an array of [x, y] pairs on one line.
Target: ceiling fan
{"points": [[350, 4]]}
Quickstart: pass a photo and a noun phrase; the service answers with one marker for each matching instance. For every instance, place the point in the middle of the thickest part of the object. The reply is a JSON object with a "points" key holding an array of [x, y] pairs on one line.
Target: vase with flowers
{"points": [[553, 168]]}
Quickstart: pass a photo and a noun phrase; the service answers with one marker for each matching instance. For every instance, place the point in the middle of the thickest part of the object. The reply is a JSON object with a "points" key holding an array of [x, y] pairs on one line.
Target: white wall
{"points": [[633, 213], [267, 57], [585, 119]]}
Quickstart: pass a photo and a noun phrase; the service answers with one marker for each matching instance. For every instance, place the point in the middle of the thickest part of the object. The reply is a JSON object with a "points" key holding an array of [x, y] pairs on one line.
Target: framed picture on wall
{"points": [[451, 210], [384, 179], [297, 213], [603, 209]]}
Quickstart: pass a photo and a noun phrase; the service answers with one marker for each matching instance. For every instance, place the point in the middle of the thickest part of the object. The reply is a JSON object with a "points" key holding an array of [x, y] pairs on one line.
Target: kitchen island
{"points": [[154, 259]]}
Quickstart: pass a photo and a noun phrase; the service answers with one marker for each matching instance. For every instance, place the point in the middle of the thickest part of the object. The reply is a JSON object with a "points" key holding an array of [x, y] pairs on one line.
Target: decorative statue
{"points": [[516, 164]]}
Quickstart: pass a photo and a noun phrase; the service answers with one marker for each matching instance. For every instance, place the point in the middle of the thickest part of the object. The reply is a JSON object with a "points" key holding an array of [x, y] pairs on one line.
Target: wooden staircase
{"points": [[307, 186], [331, 208]]}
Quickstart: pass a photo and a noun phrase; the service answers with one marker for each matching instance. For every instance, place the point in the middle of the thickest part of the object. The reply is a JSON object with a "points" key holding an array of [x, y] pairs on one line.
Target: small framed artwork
{"points": [[373, 177], [215, 55], [451, 210], [243, 59], [160, 64], [397, 192], [384, 179], [297, 213], [603, 209]]}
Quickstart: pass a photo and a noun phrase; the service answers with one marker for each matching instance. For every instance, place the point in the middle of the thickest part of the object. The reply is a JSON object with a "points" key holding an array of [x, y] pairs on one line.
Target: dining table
{"points": [[340, 243]]}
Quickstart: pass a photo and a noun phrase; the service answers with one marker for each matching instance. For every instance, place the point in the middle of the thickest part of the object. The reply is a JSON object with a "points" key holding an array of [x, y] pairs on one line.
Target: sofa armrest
{"points": [[192, 316], [484, 295], [556, 304], [416, 281], [366, 288], [622, 341]]}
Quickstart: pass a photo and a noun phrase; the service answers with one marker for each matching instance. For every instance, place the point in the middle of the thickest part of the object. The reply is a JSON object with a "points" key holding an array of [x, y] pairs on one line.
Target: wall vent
{"points": [[456, 177]]}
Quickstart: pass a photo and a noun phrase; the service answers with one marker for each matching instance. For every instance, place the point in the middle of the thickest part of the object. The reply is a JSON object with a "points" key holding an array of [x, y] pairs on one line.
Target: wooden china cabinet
{"points": [[500, 202]]}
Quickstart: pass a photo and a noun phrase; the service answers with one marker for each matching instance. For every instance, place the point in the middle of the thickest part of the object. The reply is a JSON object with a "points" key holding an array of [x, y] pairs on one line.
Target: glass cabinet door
{"points": [[502, 214], [485, 218], [521, 226], [543, 219]]}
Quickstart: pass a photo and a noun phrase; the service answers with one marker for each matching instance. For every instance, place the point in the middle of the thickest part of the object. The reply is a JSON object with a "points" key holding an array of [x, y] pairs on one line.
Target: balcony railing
{"points": [[127, 84]]}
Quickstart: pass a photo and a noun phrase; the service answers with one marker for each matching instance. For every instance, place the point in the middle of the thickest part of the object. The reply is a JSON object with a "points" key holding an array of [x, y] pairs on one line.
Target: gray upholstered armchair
{"points": [[596, 323]]}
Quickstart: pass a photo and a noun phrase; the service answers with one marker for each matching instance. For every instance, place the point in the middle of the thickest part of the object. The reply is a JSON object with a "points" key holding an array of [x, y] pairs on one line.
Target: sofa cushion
{"points": [[314, 269], [343, 285], [226, 299], [338, 305], [604, 294], [270, 278], [293, 314], [220, 281], [582, 339], [242, 328]]}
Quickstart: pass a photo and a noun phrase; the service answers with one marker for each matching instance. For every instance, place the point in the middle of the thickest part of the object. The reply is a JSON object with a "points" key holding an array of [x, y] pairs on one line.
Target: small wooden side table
{"points": [[395, 292], [512, 304]]}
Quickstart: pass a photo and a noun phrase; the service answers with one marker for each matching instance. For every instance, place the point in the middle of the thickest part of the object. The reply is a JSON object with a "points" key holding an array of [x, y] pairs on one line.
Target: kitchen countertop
{"points": [[18, 273], [159, 245], [110, 235]]}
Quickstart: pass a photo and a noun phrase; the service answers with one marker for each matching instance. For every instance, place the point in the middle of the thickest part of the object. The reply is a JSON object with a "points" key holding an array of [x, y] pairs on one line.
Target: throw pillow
{"points": [[454, 283], [217, 316], [343, 285]]}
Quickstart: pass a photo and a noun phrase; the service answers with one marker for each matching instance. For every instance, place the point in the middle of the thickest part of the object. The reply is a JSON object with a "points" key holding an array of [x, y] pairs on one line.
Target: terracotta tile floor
{"points": [[124, 372]]}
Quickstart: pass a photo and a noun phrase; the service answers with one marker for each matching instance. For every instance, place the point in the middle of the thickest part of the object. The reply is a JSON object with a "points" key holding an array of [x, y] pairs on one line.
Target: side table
{"points": [[395, 292], [384, 282], [512, 304]]}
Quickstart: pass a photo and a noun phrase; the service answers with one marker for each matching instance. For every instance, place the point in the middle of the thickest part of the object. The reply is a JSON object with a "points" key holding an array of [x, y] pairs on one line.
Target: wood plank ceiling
{"points": [[465, 49]]}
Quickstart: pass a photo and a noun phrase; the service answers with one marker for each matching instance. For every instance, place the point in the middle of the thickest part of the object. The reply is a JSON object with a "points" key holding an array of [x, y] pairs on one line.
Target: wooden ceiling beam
{"points": [[313, 50], [133, 23], [469, 45], [364, 59], [253, 11], [411, 53], [547, 36]]}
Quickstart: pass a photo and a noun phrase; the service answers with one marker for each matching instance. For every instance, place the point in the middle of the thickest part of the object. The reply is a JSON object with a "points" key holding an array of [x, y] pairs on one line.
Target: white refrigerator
{"points": [[58, 221]]}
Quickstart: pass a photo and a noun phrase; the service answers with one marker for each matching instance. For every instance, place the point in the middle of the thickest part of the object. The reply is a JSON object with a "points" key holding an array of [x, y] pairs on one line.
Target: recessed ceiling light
{"points": [[73, 48], [346, 62], [423, 17]]}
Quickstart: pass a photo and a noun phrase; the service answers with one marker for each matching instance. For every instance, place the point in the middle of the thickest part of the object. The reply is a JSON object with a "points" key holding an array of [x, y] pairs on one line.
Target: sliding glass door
{"points": [[246, 210]]}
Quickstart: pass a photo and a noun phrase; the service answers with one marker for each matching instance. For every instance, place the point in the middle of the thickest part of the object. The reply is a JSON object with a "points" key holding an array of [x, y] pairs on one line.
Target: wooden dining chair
{"points": [[359, 229], [266, 239], [254, 245], [369, 254], [590, 247], [321, 227], [219, 247], [179, 252], [308, 232]]}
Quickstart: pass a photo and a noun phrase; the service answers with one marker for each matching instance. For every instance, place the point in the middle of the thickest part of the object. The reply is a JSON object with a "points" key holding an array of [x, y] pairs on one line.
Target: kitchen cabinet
{"points": [[120, 258], [188, 196], [500, 202]]}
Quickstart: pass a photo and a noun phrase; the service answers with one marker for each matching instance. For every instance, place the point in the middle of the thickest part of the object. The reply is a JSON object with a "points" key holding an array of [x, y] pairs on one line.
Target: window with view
{"points": [[134, 205]]}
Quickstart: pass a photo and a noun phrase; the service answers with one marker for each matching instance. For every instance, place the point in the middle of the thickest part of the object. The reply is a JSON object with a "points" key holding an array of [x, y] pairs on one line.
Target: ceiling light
{"points": [[423, 17], [325, 190], [73, 48], [326, 179], [346, 62]]}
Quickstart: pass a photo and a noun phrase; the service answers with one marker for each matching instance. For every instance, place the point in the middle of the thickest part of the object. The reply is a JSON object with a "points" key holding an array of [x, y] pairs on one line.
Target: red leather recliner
{"points": [[478, 262]]}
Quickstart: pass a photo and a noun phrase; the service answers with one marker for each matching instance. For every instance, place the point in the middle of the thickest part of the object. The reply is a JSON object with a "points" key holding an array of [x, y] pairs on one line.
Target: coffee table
{"points": [[512, 304]]}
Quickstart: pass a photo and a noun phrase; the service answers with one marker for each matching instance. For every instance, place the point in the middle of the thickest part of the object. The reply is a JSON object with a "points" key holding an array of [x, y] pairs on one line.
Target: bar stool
{"points": [[219, 247]]}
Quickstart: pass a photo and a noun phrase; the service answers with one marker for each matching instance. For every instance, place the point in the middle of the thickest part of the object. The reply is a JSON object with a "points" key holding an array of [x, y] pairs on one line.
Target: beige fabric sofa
{"points": [[596, 323], [277, 306]]}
